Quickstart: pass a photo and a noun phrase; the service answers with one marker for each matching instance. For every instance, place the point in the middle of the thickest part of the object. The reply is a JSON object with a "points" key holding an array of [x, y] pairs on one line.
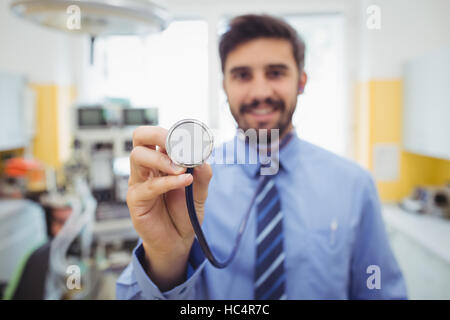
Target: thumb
{"points": [[202, 176]]}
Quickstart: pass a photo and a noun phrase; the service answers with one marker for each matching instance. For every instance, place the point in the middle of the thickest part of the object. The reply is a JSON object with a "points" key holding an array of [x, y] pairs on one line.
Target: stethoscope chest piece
{"points": [[189, 143]]}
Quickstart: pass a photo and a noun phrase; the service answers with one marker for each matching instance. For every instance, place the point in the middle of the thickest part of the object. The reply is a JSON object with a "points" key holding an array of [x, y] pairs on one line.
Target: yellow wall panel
{"points": [[383, 99], [51, 144], [45, 143], [442, 173], [385, 111]]}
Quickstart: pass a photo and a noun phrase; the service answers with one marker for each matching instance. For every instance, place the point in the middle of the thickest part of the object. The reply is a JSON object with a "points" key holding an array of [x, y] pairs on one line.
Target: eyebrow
{"points": [[239, 69], [277, 66], [270, 66]]}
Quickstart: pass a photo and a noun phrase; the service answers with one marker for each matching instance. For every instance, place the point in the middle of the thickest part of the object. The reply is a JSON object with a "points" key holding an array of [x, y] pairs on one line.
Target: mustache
{"points": [[276, 104]]}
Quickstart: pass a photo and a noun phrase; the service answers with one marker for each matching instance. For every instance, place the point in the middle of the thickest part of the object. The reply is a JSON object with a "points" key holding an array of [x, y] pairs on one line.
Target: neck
{"points": [[282, 140], [286, 131]]}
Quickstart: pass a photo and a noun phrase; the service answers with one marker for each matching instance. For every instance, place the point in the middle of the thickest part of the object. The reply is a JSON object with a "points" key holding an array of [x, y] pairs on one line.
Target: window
{"points": [[322, 116], [168, 70]]}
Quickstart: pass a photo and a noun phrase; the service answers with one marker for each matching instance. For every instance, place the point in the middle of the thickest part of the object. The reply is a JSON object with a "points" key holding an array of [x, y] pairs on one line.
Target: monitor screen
{"points": [[134, 117], [138, 117], [91, 117]]}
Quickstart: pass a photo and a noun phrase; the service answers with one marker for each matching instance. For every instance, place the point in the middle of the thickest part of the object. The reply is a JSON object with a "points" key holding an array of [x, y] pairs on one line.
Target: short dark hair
{"points": [[251, 26]]}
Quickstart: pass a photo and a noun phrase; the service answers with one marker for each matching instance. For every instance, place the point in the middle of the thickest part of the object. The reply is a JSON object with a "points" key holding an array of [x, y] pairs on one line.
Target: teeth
{"points": [[262, 111]]}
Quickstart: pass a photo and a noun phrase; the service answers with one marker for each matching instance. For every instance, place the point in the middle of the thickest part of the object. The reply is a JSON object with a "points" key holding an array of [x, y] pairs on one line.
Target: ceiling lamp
{"points": [[95, 17]]}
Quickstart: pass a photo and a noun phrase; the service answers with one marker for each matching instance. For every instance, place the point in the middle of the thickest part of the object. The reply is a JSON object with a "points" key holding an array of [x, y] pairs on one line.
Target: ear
{"points": [[302, 82]]}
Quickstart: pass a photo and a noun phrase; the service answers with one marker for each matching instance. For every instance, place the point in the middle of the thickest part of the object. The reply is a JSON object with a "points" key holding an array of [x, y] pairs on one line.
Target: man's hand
{"points": [[157, 204]]}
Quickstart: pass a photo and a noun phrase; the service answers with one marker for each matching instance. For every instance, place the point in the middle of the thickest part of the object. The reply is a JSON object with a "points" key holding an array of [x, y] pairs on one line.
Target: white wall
{"points": [[408, 29], [41, 54]]}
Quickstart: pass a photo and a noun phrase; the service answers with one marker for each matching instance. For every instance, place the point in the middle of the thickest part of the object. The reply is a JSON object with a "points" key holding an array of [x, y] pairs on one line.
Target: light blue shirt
{"points": [[335, 241]]}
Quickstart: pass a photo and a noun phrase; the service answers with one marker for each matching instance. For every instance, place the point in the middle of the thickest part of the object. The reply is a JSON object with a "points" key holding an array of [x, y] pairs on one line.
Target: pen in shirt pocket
{"points": [[333, 228]]}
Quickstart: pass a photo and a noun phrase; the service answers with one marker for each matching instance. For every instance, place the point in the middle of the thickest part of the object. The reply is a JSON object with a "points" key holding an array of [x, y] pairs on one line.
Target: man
{"points": [[316, 230]]}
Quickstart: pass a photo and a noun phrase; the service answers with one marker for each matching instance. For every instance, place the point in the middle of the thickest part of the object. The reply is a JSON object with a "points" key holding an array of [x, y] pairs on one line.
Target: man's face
{"points": [[262, 81]]}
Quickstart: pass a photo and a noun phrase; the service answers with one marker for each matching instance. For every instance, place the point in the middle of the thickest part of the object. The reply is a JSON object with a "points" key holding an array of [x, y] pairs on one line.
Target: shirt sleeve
{"points": [[375, 273], [134, 283]]}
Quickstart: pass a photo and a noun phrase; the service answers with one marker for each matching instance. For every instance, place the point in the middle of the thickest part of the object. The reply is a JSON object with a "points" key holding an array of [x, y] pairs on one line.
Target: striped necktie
{"points": [[270, 256]]}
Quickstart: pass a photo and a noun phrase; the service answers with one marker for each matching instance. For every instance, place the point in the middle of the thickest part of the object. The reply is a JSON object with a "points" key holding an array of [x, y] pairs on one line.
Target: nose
{"points": [[260, 89]]}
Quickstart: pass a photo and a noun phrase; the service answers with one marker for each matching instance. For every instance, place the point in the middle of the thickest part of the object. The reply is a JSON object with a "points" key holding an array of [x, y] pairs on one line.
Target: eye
{"points": [[275, 73], [242, 75]]}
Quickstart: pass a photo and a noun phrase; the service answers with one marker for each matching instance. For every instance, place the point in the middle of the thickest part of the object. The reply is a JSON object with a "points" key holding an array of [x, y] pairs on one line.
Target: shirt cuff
{"points": [[184, 291]]}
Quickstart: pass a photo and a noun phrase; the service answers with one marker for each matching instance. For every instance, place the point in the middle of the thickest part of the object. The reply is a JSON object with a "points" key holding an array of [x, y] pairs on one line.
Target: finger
{"points": [[155, 187], [202, 176], [150, 136], [143, 157]]}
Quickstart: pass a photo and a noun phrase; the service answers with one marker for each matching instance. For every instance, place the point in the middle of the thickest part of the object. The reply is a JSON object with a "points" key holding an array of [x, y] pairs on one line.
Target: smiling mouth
{"points": [[263, 114], [262, 111]]}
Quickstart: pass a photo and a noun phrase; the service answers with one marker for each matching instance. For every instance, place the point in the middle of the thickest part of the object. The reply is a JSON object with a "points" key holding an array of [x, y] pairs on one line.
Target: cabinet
{"points": [[16, 112], [426, 120]]}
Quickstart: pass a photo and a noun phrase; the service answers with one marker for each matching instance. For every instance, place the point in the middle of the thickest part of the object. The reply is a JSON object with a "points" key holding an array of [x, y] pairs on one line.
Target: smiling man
{"points": [[262, 80], [316, 230]]}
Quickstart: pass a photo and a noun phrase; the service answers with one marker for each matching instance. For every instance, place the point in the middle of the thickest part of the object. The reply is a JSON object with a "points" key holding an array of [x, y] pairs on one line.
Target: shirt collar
{"points": [[286, 155]]}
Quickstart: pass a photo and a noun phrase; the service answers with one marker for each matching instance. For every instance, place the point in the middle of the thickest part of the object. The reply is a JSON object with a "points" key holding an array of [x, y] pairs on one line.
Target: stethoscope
{"points": [[189, 143]]}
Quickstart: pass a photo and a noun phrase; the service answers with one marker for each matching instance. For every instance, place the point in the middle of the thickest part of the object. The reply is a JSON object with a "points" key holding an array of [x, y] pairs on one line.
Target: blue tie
{"points": [[269, 272]]}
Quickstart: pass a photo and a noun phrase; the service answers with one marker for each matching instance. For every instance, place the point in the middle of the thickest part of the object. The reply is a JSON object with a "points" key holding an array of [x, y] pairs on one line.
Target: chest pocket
{"points": [[330, 244], [329, 258]]}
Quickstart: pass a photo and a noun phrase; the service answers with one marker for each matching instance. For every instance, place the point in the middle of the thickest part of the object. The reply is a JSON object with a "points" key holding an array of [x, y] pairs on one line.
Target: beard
{"points": [[282, 125]]}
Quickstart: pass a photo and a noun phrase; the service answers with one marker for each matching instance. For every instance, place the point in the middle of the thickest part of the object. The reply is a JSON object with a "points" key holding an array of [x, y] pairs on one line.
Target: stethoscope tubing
{"points": [[198, 229], [199, 232]]}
